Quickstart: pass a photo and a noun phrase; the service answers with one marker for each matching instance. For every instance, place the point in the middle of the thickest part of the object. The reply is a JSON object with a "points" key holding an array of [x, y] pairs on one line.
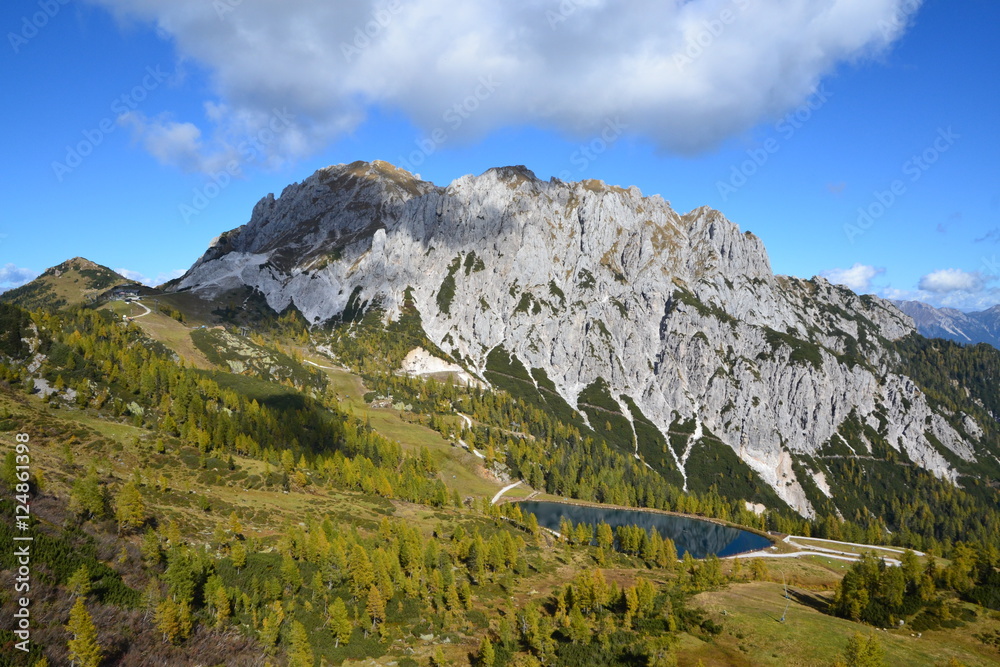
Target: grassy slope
{"points": [[460, 469], [71, 283], [174, 335], [753, 634]]}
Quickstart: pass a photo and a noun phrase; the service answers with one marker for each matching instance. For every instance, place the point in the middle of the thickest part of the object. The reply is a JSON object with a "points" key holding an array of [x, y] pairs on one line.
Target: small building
{"points": [[125, 292]]}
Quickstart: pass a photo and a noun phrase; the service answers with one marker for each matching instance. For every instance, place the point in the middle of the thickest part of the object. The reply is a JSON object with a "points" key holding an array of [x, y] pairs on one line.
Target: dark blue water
{"points": [[700, 538]]}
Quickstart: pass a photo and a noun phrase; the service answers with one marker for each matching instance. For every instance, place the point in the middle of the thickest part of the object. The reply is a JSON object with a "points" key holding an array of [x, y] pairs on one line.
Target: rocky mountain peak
{"points": [[953, 324], [679, 318]]}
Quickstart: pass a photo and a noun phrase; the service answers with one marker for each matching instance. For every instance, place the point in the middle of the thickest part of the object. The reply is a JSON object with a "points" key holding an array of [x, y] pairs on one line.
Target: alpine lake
{"points": [[698, 537]]}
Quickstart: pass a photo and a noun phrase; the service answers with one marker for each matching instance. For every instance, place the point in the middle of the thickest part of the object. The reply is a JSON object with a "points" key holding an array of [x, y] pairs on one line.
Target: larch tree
{"points": [[238, 554], [84, 651], [340, 622], [300, 653], [375, 606], [130, 508], [79, 583]]}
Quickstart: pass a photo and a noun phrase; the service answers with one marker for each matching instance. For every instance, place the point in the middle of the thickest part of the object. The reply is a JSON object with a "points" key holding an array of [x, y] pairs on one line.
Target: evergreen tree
{"points": [[167, 621], [579, 630], [238, 554], [220, 601], [360, 569], [150, 548], [87, 498]]}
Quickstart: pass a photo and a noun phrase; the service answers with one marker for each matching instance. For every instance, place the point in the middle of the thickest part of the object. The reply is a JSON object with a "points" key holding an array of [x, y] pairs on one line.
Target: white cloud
{"points": [[12, 276], [950, 288], [951, 280], [176, 144], [686, 74], [151, 282], [858, 278]]}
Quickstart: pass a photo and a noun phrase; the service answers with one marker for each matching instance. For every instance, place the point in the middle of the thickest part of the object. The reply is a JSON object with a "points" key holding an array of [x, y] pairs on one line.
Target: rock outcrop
{"points": [[680, 313]]}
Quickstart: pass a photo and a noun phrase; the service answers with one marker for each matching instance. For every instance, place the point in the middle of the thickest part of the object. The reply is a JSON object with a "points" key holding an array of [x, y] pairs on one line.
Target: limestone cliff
{"points": [[681, 313]]}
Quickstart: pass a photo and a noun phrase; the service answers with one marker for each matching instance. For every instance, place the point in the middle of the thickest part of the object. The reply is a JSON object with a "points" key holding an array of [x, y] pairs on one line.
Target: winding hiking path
{"points": [[828, 552], [504, 490]]}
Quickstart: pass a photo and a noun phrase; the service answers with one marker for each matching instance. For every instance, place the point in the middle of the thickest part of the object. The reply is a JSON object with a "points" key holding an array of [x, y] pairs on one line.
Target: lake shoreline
{"points": [[772, 539]]}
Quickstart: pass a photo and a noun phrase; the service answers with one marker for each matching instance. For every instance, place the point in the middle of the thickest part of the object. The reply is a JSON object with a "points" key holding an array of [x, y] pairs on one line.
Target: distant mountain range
{"points": [[951, 324]]}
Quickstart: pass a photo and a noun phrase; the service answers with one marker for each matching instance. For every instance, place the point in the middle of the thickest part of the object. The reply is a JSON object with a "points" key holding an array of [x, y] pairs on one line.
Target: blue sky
{"points": [[858, 138]]}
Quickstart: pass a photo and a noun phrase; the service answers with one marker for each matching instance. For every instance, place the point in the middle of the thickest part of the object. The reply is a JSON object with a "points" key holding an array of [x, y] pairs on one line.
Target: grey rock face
{"points": [[682, 313]]}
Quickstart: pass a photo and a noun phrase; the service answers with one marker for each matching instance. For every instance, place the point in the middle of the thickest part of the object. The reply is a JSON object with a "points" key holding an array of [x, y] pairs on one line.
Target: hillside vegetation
{"points": [[259, 510]]}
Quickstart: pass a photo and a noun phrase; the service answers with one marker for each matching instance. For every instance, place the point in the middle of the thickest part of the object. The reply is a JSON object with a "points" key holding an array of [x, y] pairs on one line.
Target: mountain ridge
{"points": [[681, 314], [952, 324]]}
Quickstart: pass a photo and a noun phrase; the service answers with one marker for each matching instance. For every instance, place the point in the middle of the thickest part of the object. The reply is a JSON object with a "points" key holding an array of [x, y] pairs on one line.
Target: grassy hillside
{"points": [[74, 282], [257, 508]]}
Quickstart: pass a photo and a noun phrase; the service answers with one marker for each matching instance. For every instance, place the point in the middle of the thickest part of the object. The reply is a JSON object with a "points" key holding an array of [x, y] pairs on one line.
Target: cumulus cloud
{"points": [[686, 74], [960, 300], [176, 144], [951, 288], [951, 280], [12, 276], [151, 282], [858, 278]]}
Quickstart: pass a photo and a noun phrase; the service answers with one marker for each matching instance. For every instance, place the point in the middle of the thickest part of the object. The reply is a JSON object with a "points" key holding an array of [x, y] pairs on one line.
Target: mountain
{"points": [[951, 324], [667, 333], [74, 282]]}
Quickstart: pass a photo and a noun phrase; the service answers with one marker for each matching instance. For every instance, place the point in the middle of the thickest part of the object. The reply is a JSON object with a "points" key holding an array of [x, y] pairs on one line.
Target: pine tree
{"points": [[340, 622], [84, 651], [86, 498], [605, 537], [360, 569], [150, 548], [579, 629], [235, 527]]}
